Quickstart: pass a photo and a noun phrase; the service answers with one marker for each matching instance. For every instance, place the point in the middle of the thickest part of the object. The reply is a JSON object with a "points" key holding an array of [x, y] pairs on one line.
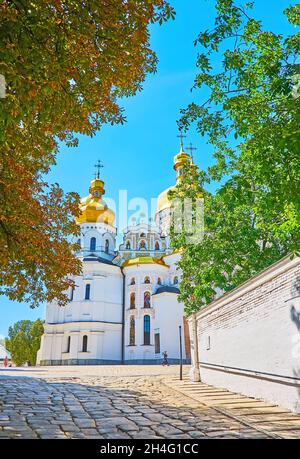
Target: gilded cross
{"points": [[191, 149], [181, 137], [98, 166]]}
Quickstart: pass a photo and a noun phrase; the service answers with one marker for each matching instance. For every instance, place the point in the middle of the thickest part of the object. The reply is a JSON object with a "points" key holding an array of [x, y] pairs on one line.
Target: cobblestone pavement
{"points": [[129, 402]]}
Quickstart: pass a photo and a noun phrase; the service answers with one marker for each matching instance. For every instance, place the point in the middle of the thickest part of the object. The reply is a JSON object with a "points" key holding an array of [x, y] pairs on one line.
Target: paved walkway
{"points": [[130, 402]]}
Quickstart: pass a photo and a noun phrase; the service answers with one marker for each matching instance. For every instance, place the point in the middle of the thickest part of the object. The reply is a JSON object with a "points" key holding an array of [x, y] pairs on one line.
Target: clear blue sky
{"points": [[138, 155]]}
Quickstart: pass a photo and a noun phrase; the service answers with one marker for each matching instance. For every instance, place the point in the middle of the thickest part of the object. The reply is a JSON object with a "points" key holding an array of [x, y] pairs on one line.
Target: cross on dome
{"points": [[191, 149], [98, 166], [181, 137]]}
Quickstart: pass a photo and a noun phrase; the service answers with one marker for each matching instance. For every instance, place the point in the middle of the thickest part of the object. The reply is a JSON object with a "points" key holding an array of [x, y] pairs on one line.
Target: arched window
{"points": [[147, 300], [93, 244], [147, 280], [132, 282], [132, 300], [142, 245], [128, 247], [84, 343], [68, 344], [72, 293], [159, 281], [157, 247], [87, 291], [78, 241], [132, 332], [175, 281], [107, 246], [146, 330]]}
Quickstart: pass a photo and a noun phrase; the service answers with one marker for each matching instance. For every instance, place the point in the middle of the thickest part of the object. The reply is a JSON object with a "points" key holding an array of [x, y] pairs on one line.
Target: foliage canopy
{"points": [[66, 65], [251, 118]]}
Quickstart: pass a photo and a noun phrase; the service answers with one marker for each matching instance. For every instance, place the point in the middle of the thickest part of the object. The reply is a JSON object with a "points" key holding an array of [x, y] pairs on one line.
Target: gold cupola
{"points": [[93, 209], [180, 160]]}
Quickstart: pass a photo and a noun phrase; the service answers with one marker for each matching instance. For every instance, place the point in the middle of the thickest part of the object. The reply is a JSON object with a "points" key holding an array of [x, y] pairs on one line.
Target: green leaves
{"points": [[293, 14], [251, 118], [66, 66], [23, 342]]}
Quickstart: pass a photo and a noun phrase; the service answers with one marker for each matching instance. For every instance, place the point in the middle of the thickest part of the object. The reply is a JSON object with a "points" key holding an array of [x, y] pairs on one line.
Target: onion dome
{"points": [[93, 209], [180, 160]]}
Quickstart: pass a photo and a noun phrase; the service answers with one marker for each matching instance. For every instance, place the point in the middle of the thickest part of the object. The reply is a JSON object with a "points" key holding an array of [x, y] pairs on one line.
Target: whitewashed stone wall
{"points": [[248, 341], [166, 314]]}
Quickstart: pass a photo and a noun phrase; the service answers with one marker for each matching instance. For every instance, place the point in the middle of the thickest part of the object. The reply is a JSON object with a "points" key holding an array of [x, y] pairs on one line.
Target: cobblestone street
{"points": [[130, 402]]}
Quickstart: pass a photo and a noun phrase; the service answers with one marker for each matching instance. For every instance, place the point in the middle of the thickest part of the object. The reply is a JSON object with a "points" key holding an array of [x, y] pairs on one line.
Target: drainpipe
{"points": [[123, 319]]}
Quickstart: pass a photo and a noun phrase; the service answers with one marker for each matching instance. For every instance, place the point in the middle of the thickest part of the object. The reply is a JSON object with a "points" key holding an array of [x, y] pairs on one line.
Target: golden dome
{"points": [[144, 261], [180, 160], [163, 201], [93, 209]]}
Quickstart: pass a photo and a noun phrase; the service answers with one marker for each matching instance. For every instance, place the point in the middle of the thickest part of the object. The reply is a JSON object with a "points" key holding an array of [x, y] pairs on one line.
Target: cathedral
{"points": [[124, 308]]}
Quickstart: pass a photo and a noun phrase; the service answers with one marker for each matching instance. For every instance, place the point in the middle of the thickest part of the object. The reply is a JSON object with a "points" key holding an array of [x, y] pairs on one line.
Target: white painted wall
{"points": [[166, 314], [139, 272], [168, 317], [100, 318], [255, 327]]}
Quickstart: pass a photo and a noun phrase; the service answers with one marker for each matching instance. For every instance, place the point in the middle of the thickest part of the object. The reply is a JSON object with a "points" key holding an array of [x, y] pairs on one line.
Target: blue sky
{"points": [[138, 155]]}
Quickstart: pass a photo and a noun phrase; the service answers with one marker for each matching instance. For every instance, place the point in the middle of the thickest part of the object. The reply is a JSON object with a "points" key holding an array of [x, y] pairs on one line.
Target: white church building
{"points": [[124, 307]]}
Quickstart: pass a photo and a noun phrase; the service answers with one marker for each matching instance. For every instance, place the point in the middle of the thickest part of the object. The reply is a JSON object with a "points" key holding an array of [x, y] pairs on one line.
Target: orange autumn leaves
{"points": [[66, 66]]}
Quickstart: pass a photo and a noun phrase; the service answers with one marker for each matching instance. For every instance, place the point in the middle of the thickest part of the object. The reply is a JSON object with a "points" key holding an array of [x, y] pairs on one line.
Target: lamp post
{"points": [[180, 347]]}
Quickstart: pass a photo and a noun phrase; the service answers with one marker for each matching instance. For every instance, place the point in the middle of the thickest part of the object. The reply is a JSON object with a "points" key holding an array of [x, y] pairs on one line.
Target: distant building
{"points": [[4, 353]]}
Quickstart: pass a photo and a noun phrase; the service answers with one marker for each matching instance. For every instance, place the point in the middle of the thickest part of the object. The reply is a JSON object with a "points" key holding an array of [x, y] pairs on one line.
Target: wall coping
{"points": [[277, 268]]}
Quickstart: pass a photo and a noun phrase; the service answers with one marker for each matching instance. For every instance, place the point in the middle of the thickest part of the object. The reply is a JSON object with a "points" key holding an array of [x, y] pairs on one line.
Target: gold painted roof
{"points": [[93, 209], [144, 261], [163, 201], [180, 160]]}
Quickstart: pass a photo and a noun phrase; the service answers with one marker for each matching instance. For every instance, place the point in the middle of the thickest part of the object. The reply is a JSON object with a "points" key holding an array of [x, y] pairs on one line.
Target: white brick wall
{"points": [[255, 328]]}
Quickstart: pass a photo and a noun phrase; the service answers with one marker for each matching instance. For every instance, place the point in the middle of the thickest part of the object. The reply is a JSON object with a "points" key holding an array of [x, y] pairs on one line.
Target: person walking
{"points": [[165, 360]]}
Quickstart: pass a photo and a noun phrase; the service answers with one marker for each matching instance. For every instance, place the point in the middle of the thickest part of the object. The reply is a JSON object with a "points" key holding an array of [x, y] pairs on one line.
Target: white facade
{"points": [[4, 353], [96, 326], [152, 322], [99, 318]]}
